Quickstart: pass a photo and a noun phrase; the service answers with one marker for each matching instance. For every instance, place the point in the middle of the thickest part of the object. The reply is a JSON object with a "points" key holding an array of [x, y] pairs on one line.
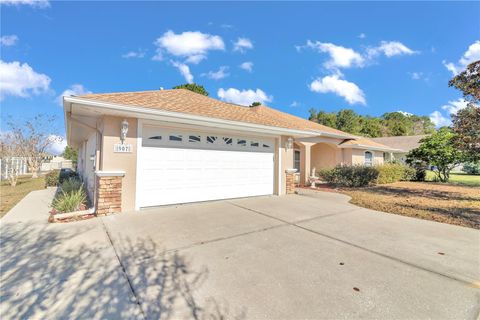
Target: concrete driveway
{"points": [[312, 255]]}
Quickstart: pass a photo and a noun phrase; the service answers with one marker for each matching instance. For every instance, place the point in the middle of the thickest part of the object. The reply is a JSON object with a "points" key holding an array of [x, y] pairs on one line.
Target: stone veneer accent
{"points": [[290, 180], [108, 193]]}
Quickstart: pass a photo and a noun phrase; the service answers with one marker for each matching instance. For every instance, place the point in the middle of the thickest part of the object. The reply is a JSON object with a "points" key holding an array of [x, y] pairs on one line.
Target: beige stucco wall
{"points": [[325, 156], [358, 156], [127, 162], [286, 156]]}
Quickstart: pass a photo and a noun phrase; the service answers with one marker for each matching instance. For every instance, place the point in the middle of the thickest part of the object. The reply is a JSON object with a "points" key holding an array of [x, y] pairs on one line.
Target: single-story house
{"points": [[403, 143], [151, 148]]}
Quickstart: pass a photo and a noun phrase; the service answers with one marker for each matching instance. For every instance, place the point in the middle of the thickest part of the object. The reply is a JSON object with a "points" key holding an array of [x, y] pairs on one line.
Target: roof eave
{"points": [[147, 113], [366, 147]]}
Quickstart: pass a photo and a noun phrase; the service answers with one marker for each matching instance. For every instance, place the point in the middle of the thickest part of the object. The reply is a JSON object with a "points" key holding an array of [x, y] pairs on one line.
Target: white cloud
{"points": [[195, 59], [452, 107], [33, 3], [416, 75], [58, 144], [8, 41], [134, 54], [184, 70], [472, 54], [439, 120], [243, 97], [73, 90], [405, 113], [295, 104], [21, 80], [348, 90], [191, 45], [217, 75], [247, 66], [362, 35], [242, 45], [390, 49], [340, 57]]}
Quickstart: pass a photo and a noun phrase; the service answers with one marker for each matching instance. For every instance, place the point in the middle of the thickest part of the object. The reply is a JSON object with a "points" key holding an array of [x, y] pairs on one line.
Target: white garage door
{"points": [[180, 167]]}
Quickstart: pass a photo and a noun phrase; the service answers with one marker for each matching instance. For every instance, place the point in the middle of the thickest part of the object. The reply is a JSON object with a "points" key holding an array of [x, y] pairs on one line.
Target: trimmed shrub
{"points": [[350, 176], [52, 178], [393, 172], [410, 174], [472, 167], [71, 201]]}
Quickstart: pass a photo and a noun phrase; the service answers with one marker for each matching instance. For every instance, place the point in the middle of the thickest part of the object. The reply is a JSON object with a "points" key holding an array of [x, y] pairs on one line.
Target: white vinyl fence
{"points": [[12, 165]]}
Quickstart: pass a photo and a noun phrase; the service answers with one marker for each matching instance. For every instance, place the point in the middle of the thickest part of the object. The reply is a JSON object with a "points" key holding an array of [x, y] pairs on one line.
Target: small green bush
{"points": [[350, 176], [71, 201], [410, 174], [66, 174], [393, 172], [472, 167], [52, 178], [71, 184]]}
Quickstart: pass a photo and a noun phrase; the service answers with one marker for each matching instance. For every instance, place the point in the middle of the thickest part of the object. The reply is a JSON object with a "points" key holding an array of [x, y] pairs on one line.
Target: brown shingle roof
{"points": [[185, 101], [405, 143], [365, 142]]}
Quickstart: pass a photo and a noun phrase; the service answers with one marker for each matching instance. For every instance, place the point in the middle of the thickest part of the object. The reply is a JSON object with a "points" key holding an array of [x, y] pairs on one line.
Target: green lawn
{"points": [[458, 178], [10, 196]]}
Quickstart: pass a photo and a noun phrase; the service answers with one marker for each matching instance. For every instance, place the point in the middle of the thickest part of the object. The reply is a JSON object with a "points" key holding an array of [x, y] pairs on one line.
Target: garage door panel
{"points": [[180, 175]]}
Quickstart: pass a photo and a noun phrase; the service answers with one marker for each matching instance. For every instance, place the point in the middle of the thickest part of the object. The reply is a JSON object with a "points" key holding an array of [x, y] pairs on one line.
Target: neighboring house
{"points": [[56, 163], [404, 143], [142, 149]]}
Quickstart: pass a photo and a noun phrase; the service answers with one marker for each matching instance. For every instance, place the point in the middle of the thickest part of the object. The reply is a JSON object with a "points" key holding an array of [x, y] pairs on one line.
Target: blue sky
{"points": [[372, 57]]}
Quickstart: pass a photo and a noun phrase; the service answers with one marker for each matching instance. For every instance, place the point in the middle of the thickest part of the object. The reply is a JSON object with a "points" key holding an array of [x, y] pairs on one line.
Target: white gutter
{"points": [[181, 117]]}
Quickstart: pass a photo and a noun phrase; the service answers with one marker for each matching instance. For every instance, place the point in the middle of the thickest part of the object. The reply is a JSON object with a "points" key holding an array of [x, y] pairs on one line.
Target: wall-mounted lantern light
{"points": [[123, 133], [289, 143]]}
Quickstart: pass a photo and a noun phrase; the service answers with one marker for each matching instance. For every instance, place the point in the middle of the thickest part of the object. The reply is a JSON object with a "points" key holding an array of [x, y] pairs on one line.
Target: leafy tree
{"points": [[255, 104], [438, 149], [397, 124], [327, 119], [466, 123], [371, 127], [348, 121], [468, 82], [31, 140], [70, 154], [193, 87]]}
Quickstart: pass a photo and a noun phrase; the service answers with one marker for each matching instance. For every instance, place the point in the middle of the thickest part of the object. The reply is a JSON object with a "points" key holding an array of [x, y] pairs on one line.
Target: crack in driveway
{"points": [[296, 224]]}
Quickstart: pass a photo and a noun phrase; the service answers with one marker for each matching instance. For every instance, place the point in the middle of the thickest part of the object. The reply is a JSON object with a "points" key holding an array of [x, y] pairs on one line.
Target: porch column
{"points": [[108, 192], [305, 161]]}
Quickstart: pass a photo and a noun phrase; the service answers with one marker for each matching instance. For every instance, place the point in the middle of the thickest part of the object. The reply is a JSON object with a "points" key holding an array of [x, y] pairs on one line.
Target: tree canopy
{"points": [[468, 82], [70, 154], [438, 149], [389, 124], [193, 87]]}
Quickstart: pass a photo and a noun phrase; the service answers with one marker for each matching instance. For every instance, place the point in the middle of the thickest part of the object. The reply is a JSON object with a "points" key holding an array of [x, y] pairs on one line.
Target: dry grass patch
{"points": [[10, 196], [459, 205]]}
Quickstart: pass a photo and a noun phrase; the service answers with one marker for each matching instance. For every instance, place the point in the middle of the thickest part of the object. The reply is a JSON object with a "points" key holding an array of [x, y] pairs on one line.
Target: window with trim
{"points": [[242, 142], [368, 158], [211, 139], [227, 140], [175, 137], [194, 139], [296, 160]]}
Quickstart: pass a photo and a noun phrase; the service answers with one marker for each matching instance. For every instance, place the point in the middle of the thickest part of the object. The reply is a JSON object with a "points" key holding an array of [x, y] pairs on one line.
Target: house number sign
{"points": [[122, 148]]}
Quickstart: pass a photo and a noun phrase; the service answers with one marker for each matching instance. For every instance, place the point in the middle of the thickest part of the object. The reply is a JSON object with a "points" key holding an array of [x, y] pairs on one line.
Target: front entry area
{"points": [[179, 166]]}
